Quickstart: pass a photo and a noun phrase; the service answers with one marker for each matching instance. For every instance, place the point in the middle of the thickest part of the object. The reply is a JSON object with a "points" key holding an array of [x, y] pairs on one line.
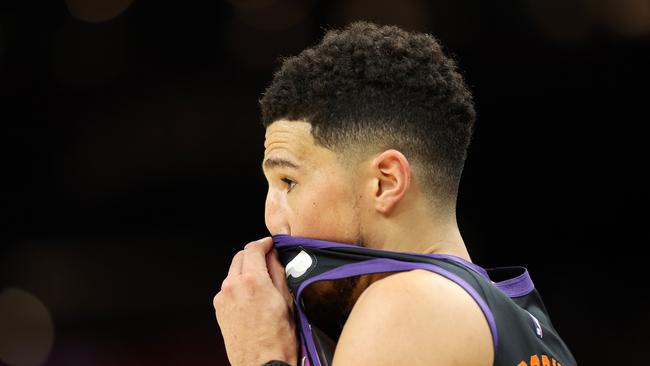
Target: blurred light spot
{"points": [[96, 11], [26, 329], [410, 14], [563, 20], [627, 17], [273, 15]]}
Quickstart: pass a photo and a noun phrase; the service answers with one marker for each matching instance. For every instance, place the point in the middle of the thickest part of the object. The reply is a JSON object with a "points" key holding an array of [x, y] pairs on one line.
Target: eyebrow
{"points": [[273, 163]]}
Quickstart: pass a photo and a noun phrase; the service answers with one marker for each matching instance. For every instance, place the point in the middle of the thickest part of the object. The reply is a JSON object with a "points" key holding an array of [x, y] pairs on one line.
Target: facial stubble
{"points": [[329, 303]]}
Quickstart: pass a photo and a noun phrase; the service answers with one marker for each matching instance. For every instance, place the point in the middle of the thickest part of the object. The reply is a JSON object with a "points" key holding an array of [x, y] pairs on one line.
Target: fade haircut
{"points": [[368, 88]]}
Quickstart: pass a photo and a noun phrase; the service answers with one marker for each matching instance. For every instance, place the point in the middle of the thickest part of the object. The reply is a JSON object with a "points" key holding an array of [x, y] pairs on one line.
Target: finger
{"points": [[278, 276], [254, 255], [265, 243], [236, 264]]}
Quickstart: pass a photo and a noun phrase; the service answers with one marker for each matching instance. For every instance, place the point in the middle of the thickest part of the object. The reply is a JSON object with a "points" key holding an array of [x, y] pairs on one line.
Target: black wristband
{"points": [[276, 363]]}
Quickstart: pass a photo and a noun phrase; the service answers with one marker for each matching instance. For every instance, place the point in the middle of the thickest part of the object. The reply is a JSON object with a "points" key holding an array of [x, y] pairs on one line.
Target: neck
{"points": [[425, 237], [416, 231], [418, 228]]}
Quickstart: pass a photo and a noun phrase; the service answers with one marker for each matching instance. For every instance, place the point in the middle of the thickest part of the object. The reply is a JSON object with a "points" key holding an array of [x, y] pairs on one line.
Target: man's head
{"points": [[370, 118]]}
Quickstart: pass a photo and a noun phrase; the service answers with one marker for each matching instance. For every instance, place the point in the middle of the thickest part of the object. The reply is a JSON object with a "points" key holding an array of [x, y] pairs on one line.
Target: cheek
{"points": [[325, 212]]}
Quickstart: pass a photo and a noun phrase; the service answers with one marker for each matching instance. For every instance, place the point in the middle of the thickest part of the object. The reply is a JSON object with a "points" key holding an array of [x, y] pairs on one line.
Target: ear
{"points": [[393, 174]]}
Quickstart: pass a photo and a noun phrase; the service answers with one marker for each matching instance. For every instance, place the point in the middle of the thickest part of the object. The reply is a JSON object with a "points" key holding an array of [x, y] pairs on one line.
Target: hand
{"points": [[254, 308]]}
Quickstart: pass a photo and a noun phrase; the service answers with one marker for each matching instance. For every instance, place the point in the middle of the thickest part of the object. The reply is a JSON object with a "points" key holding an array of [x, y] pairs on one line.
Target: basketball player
{"points": [[366, 138]]}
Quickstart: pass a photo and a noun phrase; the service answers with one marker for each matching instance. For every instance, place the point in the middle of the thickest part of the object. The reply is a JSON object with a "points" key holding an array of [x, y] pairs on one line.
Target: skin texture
{"points": [[376, 202], [415, 318], [254, 308]]}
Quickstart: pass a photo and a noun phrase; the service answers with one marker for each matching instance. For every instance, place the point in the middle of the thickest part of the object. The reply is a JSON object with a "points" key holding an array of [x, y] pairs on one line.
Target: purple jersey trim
{"points": [[283, 240], [518, 286], [387, 265], [304, 357]]}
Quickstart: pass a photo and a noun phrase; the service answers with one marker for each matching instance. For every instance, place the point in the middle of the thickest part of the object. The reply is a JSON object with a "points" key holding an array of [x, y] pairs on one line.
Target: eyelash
{"points": [[289, 183]]}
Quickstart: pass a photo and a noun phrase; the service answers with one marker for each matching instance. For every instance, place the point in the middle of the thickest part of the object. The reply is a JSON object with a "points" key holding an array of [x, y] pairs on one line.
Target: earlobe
{"points": [[393, 174]]}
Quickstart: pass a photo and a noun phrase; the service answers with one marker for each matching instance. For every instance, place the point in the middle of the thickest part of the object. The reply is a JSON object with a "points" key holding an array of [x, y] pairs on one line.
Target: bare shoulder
{"points": [[415, 318]]}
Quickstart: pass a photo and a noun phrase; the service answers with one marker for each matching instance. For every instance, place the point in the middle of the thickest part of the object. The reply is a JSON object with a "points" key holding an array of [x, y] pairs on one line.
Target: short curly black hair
{"points": [[373, 88]]}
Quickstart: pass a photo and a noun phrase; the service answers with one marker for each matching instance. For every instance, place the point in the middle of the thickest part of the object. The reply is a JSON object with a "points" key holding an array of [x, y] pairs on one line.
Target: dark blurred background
{"points": [[131, 150]]}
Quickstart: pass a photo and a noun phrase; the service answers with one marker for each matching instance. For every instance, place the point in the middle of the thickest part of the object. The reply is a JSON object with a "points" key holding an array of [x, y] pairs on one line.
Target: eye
{"points": [[290, 184]]}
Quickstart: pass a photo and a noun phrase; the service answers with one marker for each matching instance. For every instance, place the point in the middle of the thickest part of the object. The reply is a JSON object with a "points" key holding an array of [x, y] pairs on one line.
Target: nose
{"points": [[275, 213]]}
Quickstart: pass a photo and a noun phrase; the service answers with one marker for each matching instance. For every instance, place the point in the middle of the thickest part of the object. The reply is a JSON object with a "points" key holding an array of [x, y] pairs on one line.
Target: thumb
{"points": [[278, 276]]}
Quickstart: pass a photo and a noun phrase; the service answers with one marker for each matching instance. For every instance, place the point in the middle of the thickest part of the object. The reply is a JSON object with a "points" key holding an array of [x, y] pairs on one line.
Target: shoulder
{"points": [[415, 318]]}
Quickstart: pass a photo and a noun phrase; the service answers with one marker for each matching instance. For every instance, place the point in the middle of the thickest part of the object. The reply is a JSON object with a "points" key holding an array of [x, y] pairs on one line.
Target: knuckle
{"points": [[278, 306], [217, 300], [238, 254], [255, 244], [226, 285], [249, 279]]}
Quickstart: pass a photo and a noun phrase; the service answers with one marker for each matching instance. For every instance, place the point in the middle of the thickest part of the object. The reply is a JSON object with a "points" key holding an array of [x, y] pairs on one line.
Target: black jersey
{"points": [[521, 329]]}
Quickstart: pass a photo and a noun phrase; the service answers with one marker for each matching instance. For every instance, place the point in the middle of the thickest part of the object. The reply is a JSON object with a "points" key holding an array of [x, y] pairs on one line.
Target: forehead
{"points": [[283, 134], [293, 140]]}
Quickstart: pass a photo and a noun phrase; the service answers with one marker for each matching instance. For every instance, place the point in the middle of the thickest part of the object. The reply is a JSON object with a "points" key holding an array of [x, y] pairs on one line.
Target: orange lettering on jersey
{"points": [[534, 360]]}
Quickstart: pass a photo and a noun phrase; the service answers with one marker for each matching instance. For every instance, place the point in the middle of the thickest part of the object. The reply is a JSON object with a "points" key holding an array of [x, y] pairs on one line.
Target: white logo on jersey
{"points": [[298, 265], [538, 326]]}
